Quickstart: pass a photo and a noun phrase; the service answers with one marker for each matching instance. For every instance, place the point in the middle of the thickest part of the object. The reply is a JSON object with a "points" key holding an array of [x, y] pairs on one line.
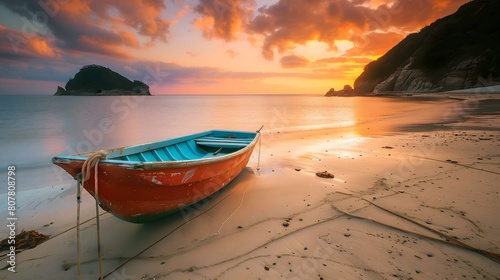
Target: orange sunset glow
{"points": [[205, 46]]}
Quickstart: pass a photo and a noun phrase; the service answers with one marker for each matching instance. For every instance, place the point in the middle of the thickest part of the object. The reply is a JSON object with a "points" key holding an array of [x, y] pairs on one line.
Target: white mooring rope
{"points": [[92, 161]]}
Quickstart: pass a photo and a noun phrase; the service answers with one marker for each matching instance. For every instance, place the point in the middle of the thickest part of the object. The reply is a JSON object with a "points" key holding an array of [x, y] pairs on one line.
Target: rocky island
{"points": [[96, 80], [460, 51]]}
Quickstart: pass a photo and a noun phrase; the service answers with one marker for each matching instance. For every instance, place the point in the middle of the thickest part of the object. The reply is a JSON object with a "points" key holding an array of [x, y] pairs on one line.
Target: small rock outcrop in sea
{"points": [[346, 91], [460, 51], [96, 80], [60, 91]]}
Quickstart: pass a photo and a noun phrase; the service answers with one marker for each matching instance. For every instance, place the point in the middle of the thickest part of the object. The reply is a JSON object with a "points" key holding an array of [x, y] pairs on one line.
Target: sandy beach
{"points": [[409, 200]]}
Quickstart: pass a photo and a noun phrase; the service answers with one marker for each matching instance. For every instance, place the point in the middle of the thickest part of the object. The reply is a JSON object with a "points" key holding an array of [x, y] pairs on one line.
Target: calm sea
{"points": [[33, 129]]}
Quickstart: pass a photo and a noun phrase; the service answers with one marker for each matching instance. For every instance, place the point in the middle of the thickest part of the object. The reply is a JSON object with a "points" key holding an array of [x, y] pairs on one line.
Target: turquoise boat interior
{"points": [[204, 145]]}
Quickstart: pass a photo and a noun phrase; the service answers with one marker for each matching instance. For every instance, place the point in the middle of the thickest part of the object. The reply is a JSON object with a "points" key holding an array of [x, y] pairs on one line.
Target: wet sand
{"points": [[411, 199]]}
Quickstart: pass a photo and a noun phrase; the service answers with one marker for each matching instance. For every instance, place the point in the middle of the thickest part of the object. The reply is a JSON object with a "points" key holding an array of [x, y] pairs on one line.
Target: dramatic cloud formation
{"points": [[291, 22], [93, 26], [223, 19], [317, 42]]}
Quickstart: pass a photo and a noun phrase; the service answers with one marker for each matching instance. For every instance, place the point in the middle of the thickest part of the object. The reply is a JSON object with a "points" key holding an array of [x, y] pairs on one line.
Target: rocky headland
{"points": [[96, 80], [460, 51]]}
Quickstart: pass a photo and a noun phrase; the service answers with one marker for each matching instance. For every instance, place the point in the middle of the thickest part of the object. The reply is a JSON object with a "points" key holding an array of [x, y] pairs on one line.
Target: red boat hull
{"points": [[142, 195]]}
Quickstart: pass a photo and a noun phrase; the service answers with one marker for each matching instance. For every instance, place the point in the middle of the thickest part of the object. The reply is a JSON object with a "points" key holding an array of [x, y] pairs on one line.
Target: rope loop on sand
{"points": [[92, 161]]}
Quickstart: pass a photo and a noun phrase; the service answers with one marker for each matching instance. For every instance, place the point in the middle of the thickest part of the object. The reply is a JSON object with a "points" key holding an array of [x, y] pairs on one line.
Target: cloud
{"points": [[411, 15], [231, 53], [294, 61], [180, 14], [93, 26], [343, 59], [288, 23], [142, 15], [18, 46], [374, 43], [223, 19]]}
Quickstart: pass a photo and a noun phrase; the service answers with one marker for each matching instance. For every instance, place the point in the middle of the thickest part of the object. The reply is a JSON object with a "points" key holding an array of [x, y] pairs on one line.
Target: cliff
{"points": [[96, 80], [459, 51]]}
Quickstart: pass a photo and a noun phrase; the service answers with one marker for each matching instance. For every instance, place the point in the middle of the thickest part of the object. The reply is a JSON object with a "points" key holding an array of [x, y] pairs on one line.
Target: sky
{"points": [[205, 46]]}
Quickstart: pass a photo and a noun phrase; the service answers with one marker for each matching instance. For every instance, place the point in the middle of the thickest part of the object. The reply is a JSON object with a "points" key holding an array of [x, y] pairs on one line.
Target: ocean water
{"points": [[33, 129]]}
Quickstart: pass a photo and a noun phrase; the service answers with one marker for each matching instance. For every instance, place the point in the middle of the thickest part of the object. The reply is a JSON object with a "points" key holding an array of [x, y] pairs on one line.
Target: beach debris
{"points": [[297, 169], [286, 223], [66, 266], [267, 267], [25, 240], [325, 174], [347, 234], [452, 161], [387, 147]]}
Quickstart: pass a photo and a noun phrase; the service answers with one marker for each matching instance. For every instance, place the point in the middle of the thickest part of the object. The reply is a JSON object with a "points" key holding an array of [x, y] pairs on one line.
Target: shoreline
{"points": [[443, 176], [490, 92]]}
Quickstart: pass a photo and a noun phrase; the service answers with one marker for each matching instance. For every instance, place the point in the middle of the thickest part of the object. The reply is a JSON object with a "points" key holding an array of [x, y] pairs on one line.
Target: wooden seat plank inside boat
{"points": [[219, 139], [225, 142], [222, 144]]}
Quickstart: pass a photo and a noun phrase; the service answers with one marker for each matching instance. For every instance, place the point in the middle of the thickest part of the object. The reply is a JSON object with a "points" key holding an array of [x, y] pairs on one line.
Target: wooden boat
{"points": [[145, 182]]}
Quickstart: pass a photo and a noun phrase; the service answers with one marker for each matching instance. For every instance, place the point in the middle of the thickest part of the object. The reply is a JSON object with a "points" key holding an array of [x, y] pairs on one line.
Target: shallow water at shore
{"points": [[36, 128]]}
